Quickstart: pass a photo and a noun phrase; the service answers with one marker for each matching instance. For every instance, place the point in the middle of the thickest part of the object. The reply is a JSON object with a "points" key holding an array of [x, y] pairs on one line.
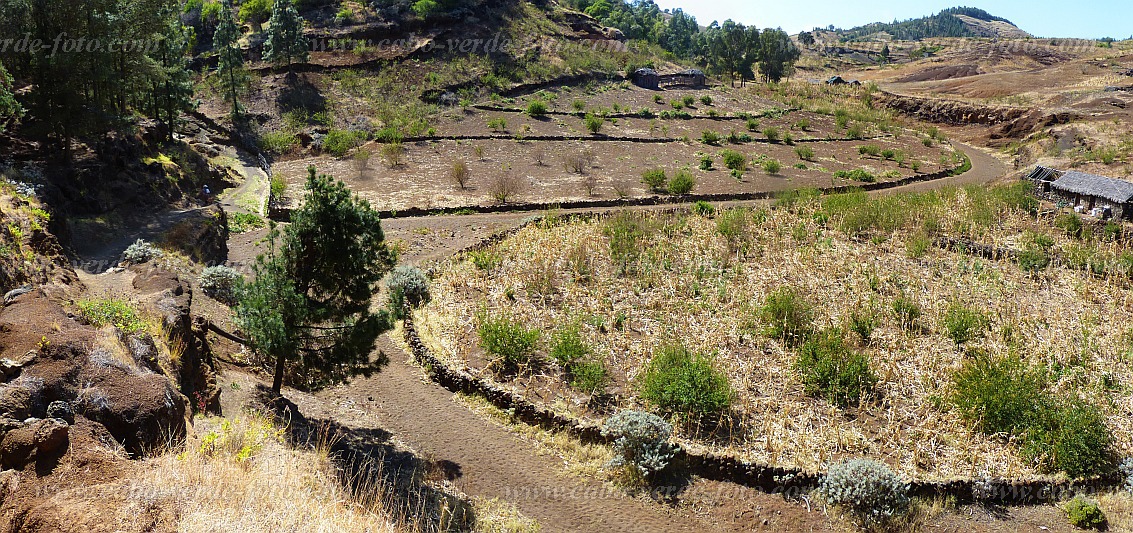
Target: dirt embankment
{"points": [[1005, 122]]}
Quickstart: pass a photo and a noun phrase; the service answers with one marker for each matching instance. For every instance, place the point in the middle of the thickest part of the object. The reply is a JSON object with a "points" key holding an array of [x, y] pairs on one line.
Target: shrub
{"points": [[863, 322], [706, 163], [460, 174], [641, 441], [141, 252], [688, 101], [964, 324], [1085, 514], [771, 166], [679, 381], [497, 124], [626, 232], [703, 208], [340, 142], [733, 225], [1071, 436], [872, 150], [221, 284], [278, 142], [657, 99], [830, 370], [787, 315], [917, 245], [888, 154], [997, 395], [868, 489], [588, 375], [805, 153], [752, 125], [682, 183], [575, 356], [594, 124], [245, 222], [510, 341], [1033, 259], [537, 109], [855, 132], [1071, 223], [393, 154], [579, 106], [734, 160], [803, 124], [677, 104], [485, 259], [505, 187], [111, 312], [772, 134], [408, 285], [655, 178], [710, 138], [906, 311], [856, 175], [706, 100]]}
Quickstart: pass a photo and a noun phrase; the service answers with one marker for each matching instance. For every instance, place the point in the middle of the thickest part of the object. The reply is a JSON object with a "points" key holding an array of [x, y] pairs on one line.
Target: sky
{"points": [[1091, 19]]}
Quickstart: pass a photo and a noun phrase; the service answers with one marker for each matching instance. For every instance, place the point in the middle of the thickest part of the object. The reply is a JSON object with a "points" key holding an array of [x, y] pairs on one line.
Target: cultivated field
{"points": [[865, 271]]}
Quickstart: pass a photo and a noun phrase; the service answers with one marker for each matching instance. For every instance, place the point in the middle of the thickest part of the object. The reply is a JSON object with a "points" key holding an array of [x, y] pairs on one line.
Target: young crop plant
{"points": [[678, 381]]}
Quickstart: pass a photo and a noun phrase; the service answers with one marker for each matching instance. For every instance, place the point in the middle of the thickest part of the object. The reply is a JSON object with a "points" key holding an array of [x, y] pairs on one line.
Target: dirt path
{"points": [[491, 462]]}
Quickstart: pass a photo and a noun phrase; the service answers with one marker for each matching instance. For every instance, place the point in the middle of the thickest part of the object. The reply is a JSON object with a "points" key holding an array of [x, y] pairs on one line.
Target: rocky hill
{"points": [[954, 22]]}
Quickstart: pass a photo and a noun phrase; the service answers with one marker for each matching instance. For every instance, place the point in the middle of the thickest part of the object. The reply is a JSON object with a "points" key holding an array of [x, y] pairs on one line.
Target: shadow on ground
{"points": [[378, 473]]}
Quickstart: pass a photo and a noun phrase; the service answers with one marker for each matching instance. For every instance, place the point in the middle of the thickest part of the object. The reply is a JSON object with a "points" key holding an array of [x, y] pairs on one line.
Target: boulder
{"points": [[39, 438]]}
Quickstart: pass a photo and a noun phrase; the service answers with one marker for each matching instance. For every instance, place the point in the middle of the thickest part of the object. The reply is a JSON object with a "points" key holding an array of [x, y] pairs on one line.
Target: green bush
{"points": [[588, 375], [787, 315], [1071, 223], [889, 154], [1085, 514], [907, 312], [497, 124], [407, 285], [772, 134], [710, 138], [733, 225], [706, 163], [245, 222], [734, 160], [771, 166], [682, 183], [830, 370], [278, 142], [997, 395], [870, 150], [576, 357], [706, 100], [688, 101], [803, 124], [626, 233], [703, 208], [655, 178], [863, 322], [508, 340], [677, 104], [340, 142], [855, 132], [857, 174], [1070, 436], [681, 382], [594, 123], [805, 153], [537, 109], [752, 125], [964, 324], [112, 312]]}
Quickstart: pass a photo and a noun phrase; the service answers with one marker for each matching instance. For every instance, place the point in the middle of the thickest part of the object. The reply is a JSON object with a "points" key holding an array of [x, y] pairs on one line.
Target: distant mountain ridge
{"points": [[953, 22]]}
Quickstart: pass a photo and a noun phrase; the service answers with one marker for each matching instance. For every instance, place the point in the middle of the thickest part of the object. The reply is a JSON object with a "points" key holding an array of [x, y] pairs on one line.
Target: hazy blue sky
{"points": [[1043, 18]]}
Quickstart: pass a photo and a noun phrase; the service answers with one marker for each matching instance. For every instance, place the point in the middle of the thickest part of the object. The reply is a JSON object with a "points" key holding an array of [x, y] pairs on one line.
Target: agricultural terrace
{"points": [[819, 329], [600, 141]]}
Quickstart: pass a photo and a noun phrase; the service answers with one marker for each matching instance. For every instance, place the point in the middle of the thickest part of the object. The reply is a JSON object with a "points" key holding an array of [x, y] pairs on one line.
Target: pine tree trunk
{"points": [[277, 385]]}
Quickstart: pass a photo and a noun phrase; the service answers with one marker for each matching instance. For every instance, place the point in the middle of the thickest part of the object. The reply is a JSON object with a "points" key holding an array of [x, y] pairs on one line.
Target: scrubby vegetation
{"points": [[870, 491], [221, 283], [641, 441]]}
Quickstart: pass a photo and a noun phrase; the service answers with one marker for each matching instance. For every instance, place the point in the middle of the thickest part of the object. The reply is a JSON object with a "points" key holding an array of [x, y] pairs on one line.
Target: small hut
{"points": [[687, 78], [647, 78], [1097, 195]]}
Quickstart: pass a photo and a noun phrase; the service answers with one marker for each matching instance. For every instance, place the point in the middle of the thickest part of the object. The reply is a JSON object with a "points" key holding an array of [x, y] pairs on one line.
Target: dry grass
{"points": [[693, 285], [240, 476]]}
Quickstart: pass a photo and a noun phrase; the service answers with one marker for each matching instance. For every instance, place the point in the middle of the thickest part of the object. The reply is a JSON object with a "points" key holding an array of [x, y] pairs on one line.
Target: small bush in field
{"points": [[706, 100], [868, 489], [1084, 513], [907, 312], [706, 163], [594, 124], [679, 381], [641, 441], [863, 322], [141, 252], [805, 153], [771, 166], [788, 316], [997, 395], [510, 341], [408, 285], [831, 370], [460, 174], [710, 138], [537, 109], [734, 160], [965, 324], [772, 134], [655, 178], [682, 183], [703, 208]]}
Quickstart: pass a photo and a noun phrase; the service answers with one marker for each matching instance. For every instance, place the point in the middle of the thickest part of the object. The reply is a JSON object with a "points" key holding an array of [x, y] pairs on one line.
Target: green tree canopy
{"points": [[285, 41], [9, 107], [777, 55], [309, 309], [230, 64]]}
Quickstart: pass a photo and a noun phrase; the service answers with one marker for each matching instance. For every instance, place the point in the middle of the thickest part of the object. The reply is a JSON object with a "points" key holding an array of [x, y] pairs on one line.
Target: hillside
{"points": [[954, 22]]}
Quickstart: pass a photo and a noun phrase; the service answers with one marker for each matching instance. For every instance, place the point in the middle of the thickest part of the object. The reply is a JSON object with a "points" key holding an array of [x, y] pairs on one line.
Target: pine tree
{"points": [[778, 55], [285, 41], [308, 311], [885, 54], [9, 107], [173, 87], [231, 61]]}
